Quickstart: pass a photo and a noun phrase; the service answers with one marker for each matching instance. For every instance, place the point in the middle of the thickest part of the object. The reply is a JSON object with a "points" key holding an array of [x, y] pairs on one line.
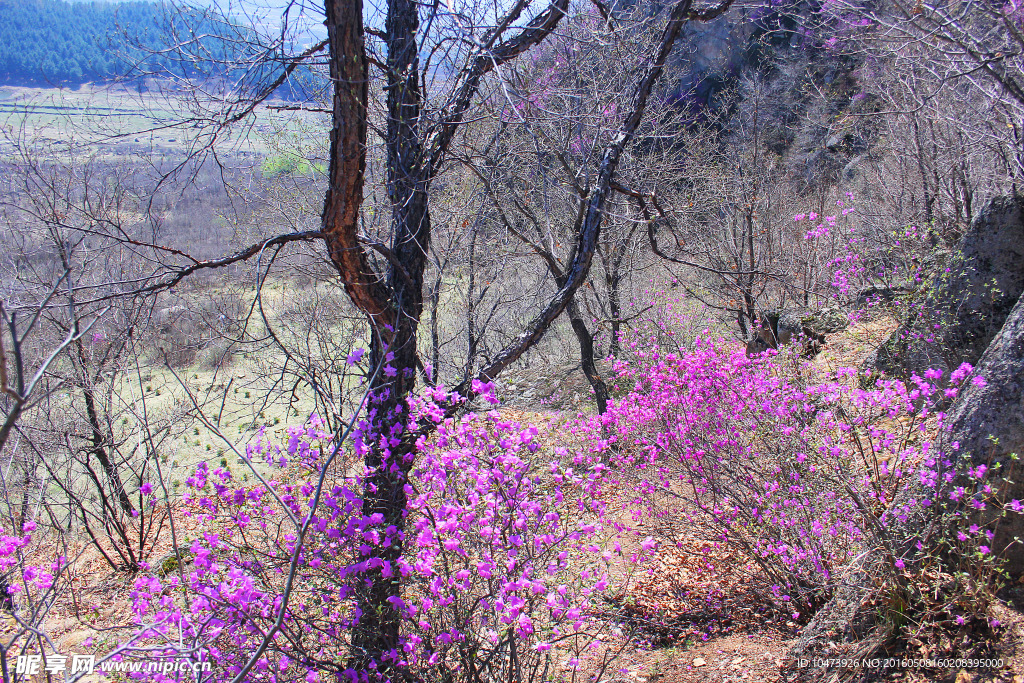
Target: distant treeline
{"points": [[54, 42]]}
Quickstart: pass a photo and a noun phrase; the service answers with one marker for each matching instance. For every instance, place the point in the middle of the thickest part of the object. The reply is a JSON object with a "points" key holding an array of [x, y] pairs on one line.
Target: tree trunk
{"points": [[435, 331], [376, 639], [615, 308], [586, 341], [394, 304], [96, 434]]}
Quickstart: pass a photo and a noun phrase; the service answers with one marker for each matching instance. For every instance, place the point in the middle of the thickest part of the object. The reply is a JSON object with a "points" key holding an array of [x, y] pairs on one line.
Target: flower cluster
{"points": [[500, 551], [30, 577], [797, 470], [507, 548]]}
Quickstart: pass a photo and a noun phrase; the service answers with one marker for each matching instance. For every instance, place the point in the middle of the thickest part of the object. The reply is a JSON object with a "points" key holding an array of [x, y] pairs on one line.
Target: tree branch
{"points": [[586, 244], [469, 80]]}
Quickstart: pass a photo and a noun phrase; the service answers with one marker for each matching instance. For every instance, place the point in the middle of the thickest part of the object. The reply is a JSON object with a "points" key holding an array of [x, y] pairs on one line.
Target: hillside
{"points": [[58, 43], [54, 42], [533, 341]]}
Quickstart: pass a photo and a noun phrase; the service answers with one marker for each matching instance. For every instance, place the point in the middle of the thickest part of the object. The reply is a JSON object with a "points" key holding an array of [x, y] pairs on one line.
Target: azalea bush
{"points": [[797, 468], [35, 572], [505, 557], [512, 547], [26, 577], [512, 553]]}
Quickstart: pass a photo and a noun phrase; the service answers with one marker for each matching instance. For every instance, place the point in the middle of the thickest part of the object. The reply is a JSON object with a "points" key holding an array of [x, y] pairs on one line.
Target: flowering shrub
{"points": [[33, 575], [233, 591], [507, 551], [509, 564], [33, 581], [799, 471], [503, 562], [859, 260]]}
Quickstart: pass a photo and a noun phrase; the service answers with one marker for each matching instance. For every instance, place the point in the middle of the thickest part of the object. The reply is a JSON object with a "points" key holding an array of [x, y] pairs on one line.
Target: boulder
{"points": [[954, 319], [871, 296], [781, 327], [987, 424]]}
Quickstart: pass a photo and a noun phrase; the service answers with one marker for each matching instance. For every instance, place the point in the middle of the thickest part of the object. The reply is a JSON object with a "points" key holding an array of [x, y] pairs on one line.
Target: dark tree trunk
{"points": [[98, 449], [376, 639], [388, 462], [435, 332], [96, 435], [929, 200], [586, 342], [615, 308], [471, 339]]}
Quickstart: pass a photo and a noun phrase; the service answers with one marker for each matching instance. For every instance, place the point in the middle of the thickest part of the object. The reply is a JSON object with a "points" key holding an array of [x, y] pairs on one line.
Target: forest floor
{"points": [[697, 614]]}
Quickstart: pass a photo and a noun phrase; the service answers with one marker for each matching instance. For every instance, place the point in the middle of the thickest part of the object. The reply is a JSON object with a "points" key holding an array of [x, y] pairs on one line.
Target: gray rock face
{"points": [[955, 319], [844, 629], [779, 328], [988, 424]]}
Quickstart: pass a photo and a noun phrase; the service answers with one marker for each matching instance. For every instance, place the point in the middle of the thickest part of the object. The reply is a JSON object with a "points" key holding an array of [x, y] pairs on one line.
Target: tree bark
{"points": [[376, 638], [344, 196], [96, 435]]}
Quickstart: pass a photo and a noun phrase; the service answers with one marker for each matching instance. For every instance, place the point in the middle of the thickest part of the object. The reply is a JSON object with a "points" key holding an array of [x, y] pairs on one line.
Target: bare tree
{"points": [[425, 106], [412, 78], [538, 167], [952, 65]]}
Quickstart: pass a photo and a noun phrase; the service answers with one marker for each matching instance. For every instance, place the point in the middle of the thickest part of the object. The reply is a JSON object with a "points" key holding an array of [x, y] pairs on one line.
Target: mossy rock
{"points": [[956, 316], [169, 563], [826, 321]]}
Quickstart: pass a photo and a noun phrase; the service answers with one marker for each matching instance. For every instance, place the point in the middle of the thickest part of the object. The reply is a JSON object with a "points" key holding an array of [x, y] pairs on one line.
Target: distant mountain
{"points": [[54, 42]]}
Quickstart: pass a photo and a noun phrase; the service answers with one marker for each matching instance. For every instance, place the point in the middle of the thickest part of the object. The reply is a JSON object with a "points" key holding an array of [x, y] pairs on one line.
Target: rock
{"points": [[170, 562], [781, 327], [988, 424], [825, 321], [953, 320], [845, 628], [871, 296]]}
